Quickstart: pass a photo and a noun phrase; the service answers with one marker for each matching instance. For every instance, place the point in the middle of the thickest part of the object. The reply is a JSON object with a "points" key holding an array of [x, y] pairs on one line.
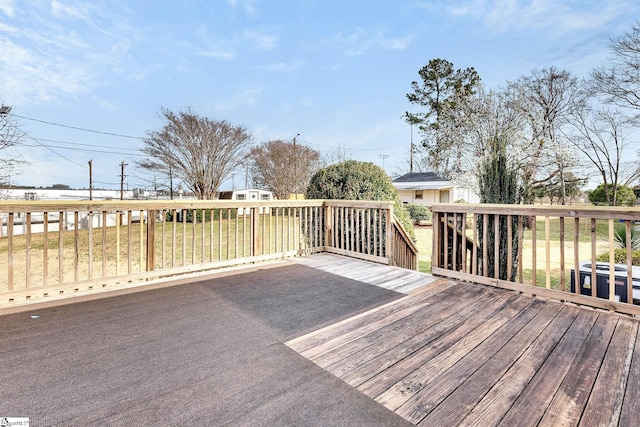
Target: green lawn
{"points": [[424, 242]]}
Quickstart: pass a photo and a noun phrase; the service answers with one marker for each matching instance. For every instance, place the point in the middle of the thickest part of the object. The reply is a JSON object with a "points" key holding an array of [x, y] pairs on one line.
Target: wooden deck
{"points": [[393, 278], [453, 353]]}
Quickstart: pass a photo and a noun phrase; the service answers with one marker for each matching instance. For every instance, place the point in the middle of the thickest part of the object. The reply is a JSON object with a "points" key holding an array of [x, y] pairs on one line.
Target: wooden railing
{"points": [[549, 251], [62, 247]]}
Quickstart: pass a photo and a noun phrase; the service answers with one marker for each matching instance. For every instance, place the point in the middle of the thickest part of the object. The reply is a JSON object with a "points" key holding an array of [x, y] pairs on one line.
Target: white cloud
{"points": [[42, 60], [556, 17], [78, 11], [262, 41], [244, 98], [285, 67], [360, 42], [8, 7], [221, 54], [247, 5]]}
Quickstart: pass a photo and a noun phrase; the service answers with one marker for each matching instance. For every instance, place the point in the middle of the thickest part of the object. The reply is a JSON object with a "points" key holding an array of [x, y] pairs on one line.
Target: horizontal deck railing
{"points": [[62, 247], [563, 252]]}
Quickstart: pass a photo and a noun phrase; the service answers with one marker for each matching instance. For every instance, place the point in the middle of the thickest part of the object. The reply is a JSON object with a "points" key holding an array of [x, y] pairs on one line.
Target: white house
{"points": [[427, 188], [249, 195]]}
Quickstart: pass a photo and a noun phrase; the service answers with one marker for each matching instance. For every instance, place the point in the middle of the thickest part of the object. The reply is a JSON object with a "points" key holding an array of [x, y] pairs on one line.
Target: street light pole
{"points": [[383, 156]]}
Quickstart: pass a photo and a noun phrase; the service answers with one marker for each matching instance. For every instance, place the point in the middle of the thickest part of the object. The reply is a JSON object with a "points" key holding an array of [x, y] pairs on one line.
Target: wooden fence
{"points": [[62, 247], [561, 252]]}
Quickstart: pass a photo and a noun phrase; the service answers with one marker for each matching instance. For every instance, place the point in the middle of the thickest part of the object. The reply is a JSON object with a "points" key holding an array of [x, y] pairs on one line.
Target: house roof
{"points": [[421, 181], [420, 177]]}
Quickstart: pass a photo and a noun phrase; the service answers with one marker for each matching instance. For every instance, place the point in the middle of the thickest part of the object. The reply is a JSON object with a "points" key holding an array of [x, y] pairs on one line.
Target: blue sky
{"points": [[336, 72]]}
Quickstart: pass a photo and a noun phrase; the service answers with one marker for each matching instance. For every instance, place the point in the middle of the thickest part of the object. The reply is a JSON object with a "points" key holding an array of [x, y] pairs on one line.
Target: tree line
{"points": [[557, 130]]}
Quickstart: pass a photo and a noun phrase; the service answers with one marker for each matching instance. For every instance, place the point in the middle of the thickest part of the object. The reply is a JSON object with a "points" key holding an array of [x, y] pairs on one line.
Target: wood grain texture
{"points": [[487, 357]]}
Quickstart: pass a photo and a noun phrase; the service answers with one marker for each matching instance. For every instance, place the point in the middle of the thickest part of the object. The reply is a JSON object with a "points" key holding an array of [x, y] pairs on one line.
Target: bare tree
{"points": [[284, 167], [474, 123], [545, 99], [601, 135], [619, 81], [10, 136], [196, 150]]}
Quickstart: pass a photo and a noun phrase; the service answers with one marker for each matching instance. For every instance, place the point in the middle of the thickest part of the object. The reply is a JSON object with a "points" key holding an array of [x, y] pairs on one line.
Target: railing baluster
{"points": [[184, 236], [237, 233], [211, 219], [547, 252], [562, 272], [104, 244], [90, 249], [576, 255], [194, 227], [141, 243], [117, 254], [474, 255], [45, 248], [202, 235], [10, 279], [534, 252], [496, 246], [509, 247], [485, 246], [629, 259], [594, 281], [612, 261], [174, 227], [163, 253], [76, 249], [61, 228]]}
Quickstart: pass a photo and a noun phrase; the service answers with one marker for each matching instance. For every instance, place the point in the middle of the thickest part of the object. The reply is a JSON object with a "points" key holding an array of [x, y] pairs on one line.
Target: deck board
{"points": [[395, 278], [454, 353]]}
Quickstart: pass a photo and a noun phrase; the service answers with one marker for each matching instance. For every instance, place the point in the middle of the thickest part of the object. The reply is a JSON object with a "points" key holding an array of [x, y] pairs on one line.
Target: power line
{"points": [[84, 149], [55, 152], [79, 128], [57, 141]]}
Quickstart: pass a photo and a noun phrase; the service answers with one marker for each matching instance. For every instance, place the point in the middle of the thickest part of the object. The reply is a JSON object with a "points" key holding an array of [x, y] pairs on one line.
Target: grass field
{"points": [[424, 242], [192, 246]]}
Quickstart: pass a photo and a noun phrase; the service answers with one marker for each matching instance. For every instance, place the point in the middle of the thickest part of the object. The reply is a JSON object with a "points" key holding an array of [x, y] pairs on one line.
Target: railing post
{"points": [[256, 238], [389, 235], [328, 220], [435, 229], [151, 238]]}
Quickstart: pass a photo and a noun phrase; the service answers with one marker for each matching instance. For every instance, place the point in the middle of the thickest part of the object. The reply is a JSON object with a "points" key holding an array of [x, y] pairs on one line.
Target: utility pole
{"points": [[91, 179], [122, 175], [383, 157]]}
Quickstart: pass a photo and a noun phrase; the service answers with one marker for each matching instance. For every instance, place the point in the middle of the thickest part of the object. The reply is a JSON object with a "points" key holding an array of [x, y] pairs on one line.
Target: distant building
{"points": [[427, 188], [248, 195], [68, 194]]}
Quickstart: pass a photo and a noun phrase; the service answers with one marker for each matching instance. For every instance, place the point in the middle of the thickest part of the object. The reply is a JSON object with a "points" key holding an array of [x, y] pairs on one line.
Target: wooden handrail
{"points": [[93, 244], [499, 256]]}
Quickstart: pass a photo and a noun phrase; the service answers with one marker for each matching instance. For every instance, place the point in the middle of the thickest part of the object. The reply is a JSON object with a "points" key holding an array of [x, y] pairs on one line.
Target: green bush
{"points": [[620, 257], [624, 195], [354, 180], [418, 212]]}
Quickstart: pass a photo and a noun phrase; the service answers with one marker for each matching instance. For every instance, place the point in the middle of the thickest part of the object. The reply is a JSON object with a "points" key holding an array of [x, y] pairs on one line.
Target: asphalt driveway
{"points": [[208, 353]]}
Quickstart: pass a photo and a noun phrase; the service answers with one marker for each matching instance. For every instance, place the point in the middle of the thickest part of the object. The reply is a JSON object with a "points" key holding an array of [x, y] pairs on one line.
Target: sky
{"points": [[86, 79]]}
